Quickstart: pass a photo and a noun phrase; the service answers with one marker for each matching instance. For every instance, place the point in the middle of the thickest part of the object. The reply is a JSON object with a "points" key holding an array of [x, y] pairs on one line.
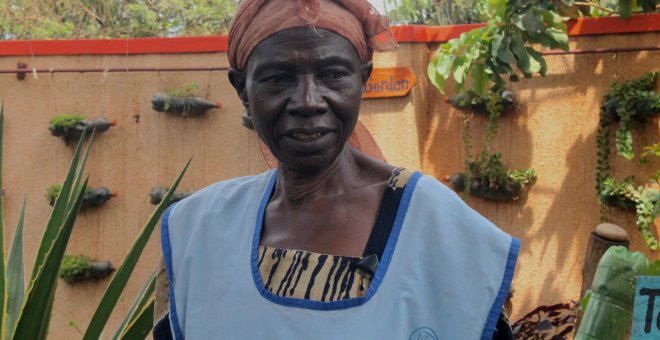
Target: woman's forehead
{"points": [[303, 45]]}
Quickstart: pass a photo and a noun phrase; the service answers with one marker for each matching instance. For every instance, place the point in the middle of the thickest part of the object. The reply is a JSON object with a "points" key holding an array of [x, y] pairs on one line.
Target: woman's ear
{"points": [[366, 71], [237, 80]]}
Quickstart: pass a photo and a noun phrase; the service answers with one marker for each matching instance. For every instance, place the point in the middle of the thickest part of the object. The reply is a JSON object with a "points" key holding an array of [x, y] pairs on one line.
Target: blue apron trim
{"points": [[496, 309], [167, 254], [339, 304]]}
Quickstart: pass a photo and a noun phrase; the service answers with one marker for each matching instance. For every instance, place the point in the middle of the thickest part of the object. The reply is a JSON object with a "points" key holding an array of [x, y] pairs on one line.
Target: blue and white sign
{"points": [[646, 314]]}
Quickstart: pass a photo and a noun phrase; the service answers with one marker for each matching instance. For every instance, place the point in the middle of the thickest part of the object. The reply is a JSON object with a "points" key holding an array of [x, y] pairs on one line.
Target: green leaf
{"points": [[585, 301], [559, 36], [138, 304], [497, 7], [529, 20], [34, 318], [437, 79], [3, 273], [123, 273], [461, 68], [625, 8], [518, 48], [479, 78], [624, 142], [141, 326], [654, 268], [552, 18], [504, 53], [60, 209], [495, 45], [15, 276], [648, 6], [537, 62]]}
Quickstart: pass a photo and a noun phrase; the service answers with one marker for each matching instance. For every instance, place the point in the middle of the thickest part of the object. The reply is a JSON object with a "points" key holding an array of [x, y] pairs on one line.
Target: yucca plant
{"points": [[26, 311]]}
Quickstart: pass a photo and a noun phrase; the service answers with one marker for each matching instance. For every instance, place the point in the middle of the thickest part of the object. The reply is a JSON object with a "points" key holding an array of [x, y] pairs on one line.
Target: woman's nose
{"points": [[307, 99]]}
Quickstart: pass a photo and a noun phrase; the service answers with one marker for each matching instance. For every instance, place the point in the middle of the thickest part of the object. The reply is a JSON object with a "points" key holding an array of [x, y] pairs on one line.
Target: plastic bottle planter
{"points": [[92, 198], [156, 195], [70, 127], [479, 104], [608, 313], [186, 106], [76, 268], [509, 190]]}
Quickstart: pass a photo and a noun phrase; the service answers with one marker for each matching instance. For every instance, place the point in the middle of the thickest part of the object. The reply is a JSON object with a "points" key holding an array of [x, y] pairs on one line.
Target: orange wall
{"points": [[552, 130]]}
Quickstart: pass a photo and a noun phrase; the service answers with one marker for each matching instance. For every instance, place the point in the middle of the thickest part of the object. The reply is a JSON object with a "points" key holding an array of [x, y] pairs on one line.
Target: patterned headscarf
{"points": [[355, 20]]}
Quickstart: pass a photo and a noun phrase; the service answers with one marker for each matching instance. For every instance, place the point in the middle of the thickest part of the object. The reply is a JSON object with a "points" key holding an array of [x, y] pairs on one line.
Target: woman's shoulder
{"points": [[226, 191]]}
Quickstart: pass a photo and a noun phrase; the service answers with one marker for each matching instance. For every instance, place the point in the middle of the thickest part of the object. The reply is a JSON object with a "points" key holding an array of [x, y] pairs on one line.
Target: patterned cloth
{"points": [[321, 277], [306, 275], [356, 20]]}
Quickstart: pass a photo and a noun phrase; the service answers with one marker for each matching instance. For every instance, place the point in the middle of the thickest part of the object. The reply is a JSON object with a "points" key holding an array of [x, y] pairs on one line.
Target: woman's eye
{"points": [[275, 79], [335, 75]]}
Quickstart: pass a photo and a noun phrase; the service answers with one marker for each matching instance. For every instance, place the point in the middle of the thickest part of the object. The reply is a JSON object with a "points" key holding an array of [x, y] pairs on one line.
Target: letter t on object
{"points": [[652, 293]]}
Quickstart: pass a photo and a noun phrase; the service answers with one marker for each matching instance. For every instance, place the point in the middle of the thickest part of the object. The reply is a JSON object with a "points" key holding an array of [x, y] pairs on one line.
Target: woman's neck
{"points": [[295, 187]]}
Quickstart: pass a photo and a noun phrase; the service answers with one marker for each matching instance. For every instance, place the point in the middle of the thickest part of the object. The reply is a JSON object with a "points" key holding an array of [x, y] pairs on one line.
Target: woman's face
{"points": [[303, 90]]}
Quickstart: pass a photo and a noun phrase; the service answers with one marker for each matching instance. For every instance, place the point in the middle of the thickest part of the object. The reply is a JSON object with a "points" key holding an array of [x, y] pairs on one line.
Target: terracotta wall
{"points": [[552, 130]]}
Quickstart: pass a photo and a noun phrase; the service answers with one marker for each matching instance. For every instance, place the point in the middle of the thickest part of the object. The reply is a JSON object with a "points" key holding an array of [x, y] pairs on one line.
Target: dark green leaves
{"points": [[501, 50], [123, 273], [529, 20], [625, 8]]}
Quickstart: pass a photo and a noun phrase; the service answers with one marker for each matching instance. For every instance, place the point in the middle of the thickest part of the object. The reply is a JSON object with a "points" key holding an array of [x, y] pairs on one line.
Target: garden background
{"points": [[552, 129]]}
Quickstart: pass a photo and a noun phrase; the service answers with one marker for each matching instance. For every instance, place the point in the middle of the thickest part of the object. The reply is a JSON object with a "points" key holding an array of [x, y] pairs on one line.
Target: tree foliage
{"points": [[436, 12], [57, 19], [452, 12]]}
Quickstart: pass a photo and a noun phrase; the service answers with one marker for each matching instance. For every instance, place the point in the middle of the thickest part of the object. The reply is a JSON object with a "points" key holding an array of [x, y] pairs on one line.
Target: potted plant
{"points": [[643, 200], [626, 105], [473, 102], [490, 180], [76, 268], [486, 175], [156, 195], [70, 126], [182, 101], [93, 197], [30, 291]]}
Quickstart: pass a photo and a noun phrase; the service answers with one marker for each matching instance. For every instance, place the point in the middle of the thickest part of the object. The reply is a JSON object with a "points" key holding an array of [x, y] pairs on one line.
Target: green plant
{"points": [[27, 19], [74, 267], [26, 310], [487, 54], [653, 150], [631, 102], [644, 200], [52, 192], [65, 122], [485, 175], [187, 90], [434, 12]]}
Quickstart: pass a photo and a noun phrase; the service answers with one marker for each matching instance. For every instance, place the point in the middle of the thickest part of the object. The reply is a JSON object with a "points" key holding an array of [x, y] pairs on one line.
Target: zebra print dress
{"points": [[321, 277], [312, 276]]}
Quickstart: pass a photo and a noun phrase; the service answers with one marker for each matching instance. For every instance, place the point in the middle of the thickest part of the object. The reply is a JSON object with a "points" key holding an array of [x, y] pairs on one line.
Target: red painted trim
{"points": [[614, 25], [114, 46], [412, 33], [420, 33]]}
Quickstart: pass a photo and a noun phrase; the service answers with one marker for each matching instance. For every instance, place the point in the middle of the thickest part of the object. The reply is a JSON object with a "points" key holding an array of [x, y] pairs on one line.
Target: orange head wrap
{"points": [[355, 20]]}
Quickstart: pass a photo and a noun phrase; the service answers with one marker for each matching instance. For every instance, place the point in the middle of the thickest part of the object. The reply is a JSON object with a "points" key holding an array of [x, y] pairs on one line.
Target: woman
{"points": [[333, 244]]}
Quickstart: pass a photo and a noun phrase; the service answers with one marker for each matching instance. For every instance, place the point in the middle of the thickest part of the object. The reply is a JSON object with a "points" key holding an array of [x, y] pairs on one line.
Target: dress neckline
{"points": [[339, 304]]}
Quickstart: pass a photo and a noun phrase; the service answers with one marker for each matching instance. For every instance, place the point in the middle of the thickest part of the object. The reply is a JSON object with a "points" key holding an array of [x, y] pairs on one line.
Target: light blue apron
{"points": [[445, 272]]}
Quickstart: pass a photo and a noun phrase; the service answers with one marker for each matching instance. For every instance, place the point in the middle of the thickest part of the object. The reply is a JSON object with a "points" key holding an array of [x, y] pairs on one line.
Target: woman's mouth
{"points": [[306, 137]]}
